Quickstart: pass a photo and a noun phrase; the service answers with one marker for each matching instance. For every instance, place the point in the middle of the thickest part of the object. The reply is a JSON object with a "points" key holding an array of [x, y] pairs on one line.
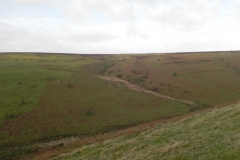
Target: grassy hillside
{"points": [[210, 78], [209, 135], [24, 78]]}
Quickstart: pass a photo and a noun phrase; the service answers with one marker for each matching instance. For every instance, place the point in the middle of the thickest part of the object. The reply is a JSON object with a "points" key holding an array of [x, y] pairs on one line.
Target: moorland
{"points": [[49, 97]]}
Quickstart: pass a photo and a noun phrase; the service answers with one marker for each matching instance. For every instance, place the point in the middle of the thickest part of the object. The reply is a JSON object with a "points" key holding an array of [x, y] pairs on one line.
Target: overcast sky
{"points": [[119, 26]]}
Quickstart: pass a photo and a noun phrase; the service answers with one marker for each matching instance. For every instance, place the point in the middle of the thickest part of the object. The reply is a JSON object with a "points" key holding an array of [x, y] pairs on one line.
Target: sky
{"points": [[119, 26]]}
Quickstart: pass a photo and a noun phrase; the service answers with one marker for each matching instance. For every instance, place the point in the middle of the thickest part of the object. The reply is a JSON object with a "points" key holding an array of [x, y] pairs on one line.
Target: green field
{"points": [[47, 97]]}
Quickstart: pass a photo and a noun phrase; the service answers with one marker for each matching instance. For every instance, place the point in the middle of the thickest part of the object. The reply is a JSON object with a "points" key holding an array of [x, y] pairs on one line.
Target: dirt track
{"points": [[140, 89]]}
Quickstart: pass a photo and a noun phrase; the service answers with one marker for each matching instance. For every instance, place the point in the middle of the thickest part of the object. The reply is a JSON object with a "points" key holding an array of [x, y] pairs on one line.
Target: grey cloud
{"points": [[235, 10], [84, 9], [11, 34], [127, 26], [62, 39], [187, 15], [133, 30], [90, 37], [16, 38], [38, 2]]}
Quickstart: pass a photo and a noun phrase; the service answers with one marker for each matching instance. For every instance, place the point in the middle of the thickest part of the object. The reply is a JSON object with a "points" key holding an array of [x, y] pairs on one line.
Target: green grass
{"points": [[22, 87], [209, 135], [157, 64], [23, 79]]}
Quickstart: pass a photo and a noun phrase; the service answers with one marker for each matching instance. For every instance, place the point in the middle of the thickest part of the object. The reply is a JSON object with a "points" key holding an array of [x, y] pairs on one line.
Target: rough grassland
{"points": [[207, 78], [209, 135], [46, 97]]}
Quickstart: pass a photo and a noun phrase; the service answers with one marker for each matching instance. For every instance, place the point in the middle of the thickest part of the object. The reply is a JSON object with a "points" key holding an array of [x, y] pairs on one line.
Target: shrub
{"points": [[69, 85], [11, 115], [89, 112], [154, 89], [174, 74], [23, 101], [119, 75]]}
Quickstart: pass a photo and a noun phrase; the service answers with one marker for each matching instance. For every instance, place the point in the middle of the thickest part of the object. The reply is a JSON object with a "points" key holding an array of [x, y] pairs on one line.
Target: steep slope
{"points": [[208, 135]]}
